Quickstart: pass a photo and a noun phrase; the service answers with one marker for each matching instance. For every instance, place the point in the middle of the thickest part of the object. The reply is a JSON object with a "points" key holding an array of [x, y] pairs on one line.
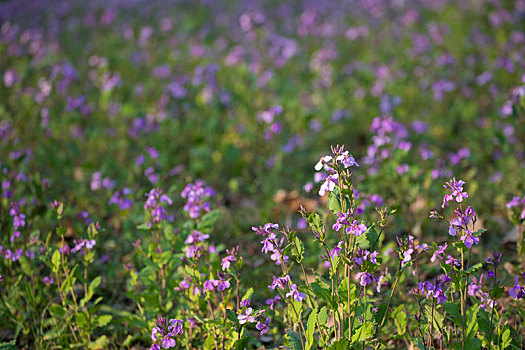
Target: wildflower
{"points": [[342, 219], [273, 302], [48, 280], [263, 327], [365, 278], [226, 261], [323, 163], [164, 334], [245, 302], [196, 195], [329, 184], [294, 292], [517, 291], [246, 317], [346, 159], [439, 253], [457, 193], [121, 198], [356, 229]]}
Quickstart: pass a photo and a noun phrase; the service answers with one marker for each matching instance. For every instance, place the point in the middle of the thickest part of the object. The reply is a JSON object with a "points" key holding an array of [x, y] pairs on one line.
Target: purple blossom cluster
{"points": [[197, 194], [271, 244], [154, 206], [518, 204], [330, 166], [122, 199], [163, 334], [18, 220], [433, 289], [517, 291]]}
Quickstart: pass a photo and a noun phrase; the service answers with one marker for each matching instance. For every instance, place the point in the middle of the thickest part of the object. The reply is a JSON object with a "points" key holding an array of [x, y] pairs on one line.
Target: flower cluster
{"points": [[517, 291], [457, 193], [433, 290], [271, 244], [163, 334], [517, 204], [154, 206], [330, 166], [122, 199], [196, 195], [18, 220]]}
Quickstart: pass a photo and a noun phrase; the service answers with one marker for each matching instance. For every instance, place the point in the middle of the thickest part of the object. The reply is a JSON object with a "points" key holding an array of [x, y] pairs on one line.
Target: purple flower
{"points": [[356, 229], [439, 253], [329, 184], [263, 327], [365, 278], [273, 302], [245, 302], [294, 292], [457, 193], [246, 316], [517, 291], [196, 195], [226, 261]]}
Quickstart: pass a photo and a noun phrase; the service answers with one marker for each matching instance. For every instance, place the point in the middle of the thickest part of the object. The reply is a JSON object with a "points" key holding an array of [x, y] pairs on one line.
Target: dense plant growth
{"points": [[164, 181]]}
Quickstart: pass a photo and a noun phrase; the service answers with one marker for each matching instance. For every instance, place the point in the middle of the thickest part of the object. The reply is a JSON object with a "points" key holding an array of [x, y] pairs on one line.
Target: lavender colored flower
{"points": [[273, 302], [263, 327], [517, 291], [457, 193], [246, 316], [197, 195]]}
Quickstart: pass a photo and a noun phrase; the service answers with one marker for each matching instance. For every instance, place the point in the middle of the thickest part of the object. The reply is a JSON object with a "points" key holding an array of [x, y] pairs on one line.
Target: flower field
{"points": [[344, 174]]}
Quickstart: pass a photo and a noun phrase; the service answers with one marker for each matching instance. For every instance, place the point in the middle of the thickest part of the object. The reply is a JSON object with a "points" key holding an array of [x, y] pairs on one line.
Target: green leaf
{"points": [[241, 344], [208, 220], [454, 313], [298, 249], [472, 321], [322, 317], [363, 333], [401, 322], [322, 291], [297, 306], [435, 317], [341, 344], [103, 320], [506, 339], [496, 292], [381, 311], [373, 239], [58, 311], [293, 341], [232, 316], [55, 260], [310, 328], [473, 268], [101, 343], [334, 204]]}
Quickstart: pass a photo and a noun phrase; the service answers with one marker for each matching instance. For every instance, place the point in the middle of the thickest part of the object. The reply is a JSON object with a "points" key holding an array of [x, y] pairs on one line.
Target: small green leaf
{"points": [[58, 311], [322, 317], [341, 344], [474, 268], [103, 320], [401, 322], [334, 204], [241, 344], [363, 333], [310, 328], [506, 339], [55, 260], [293, 341]]}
